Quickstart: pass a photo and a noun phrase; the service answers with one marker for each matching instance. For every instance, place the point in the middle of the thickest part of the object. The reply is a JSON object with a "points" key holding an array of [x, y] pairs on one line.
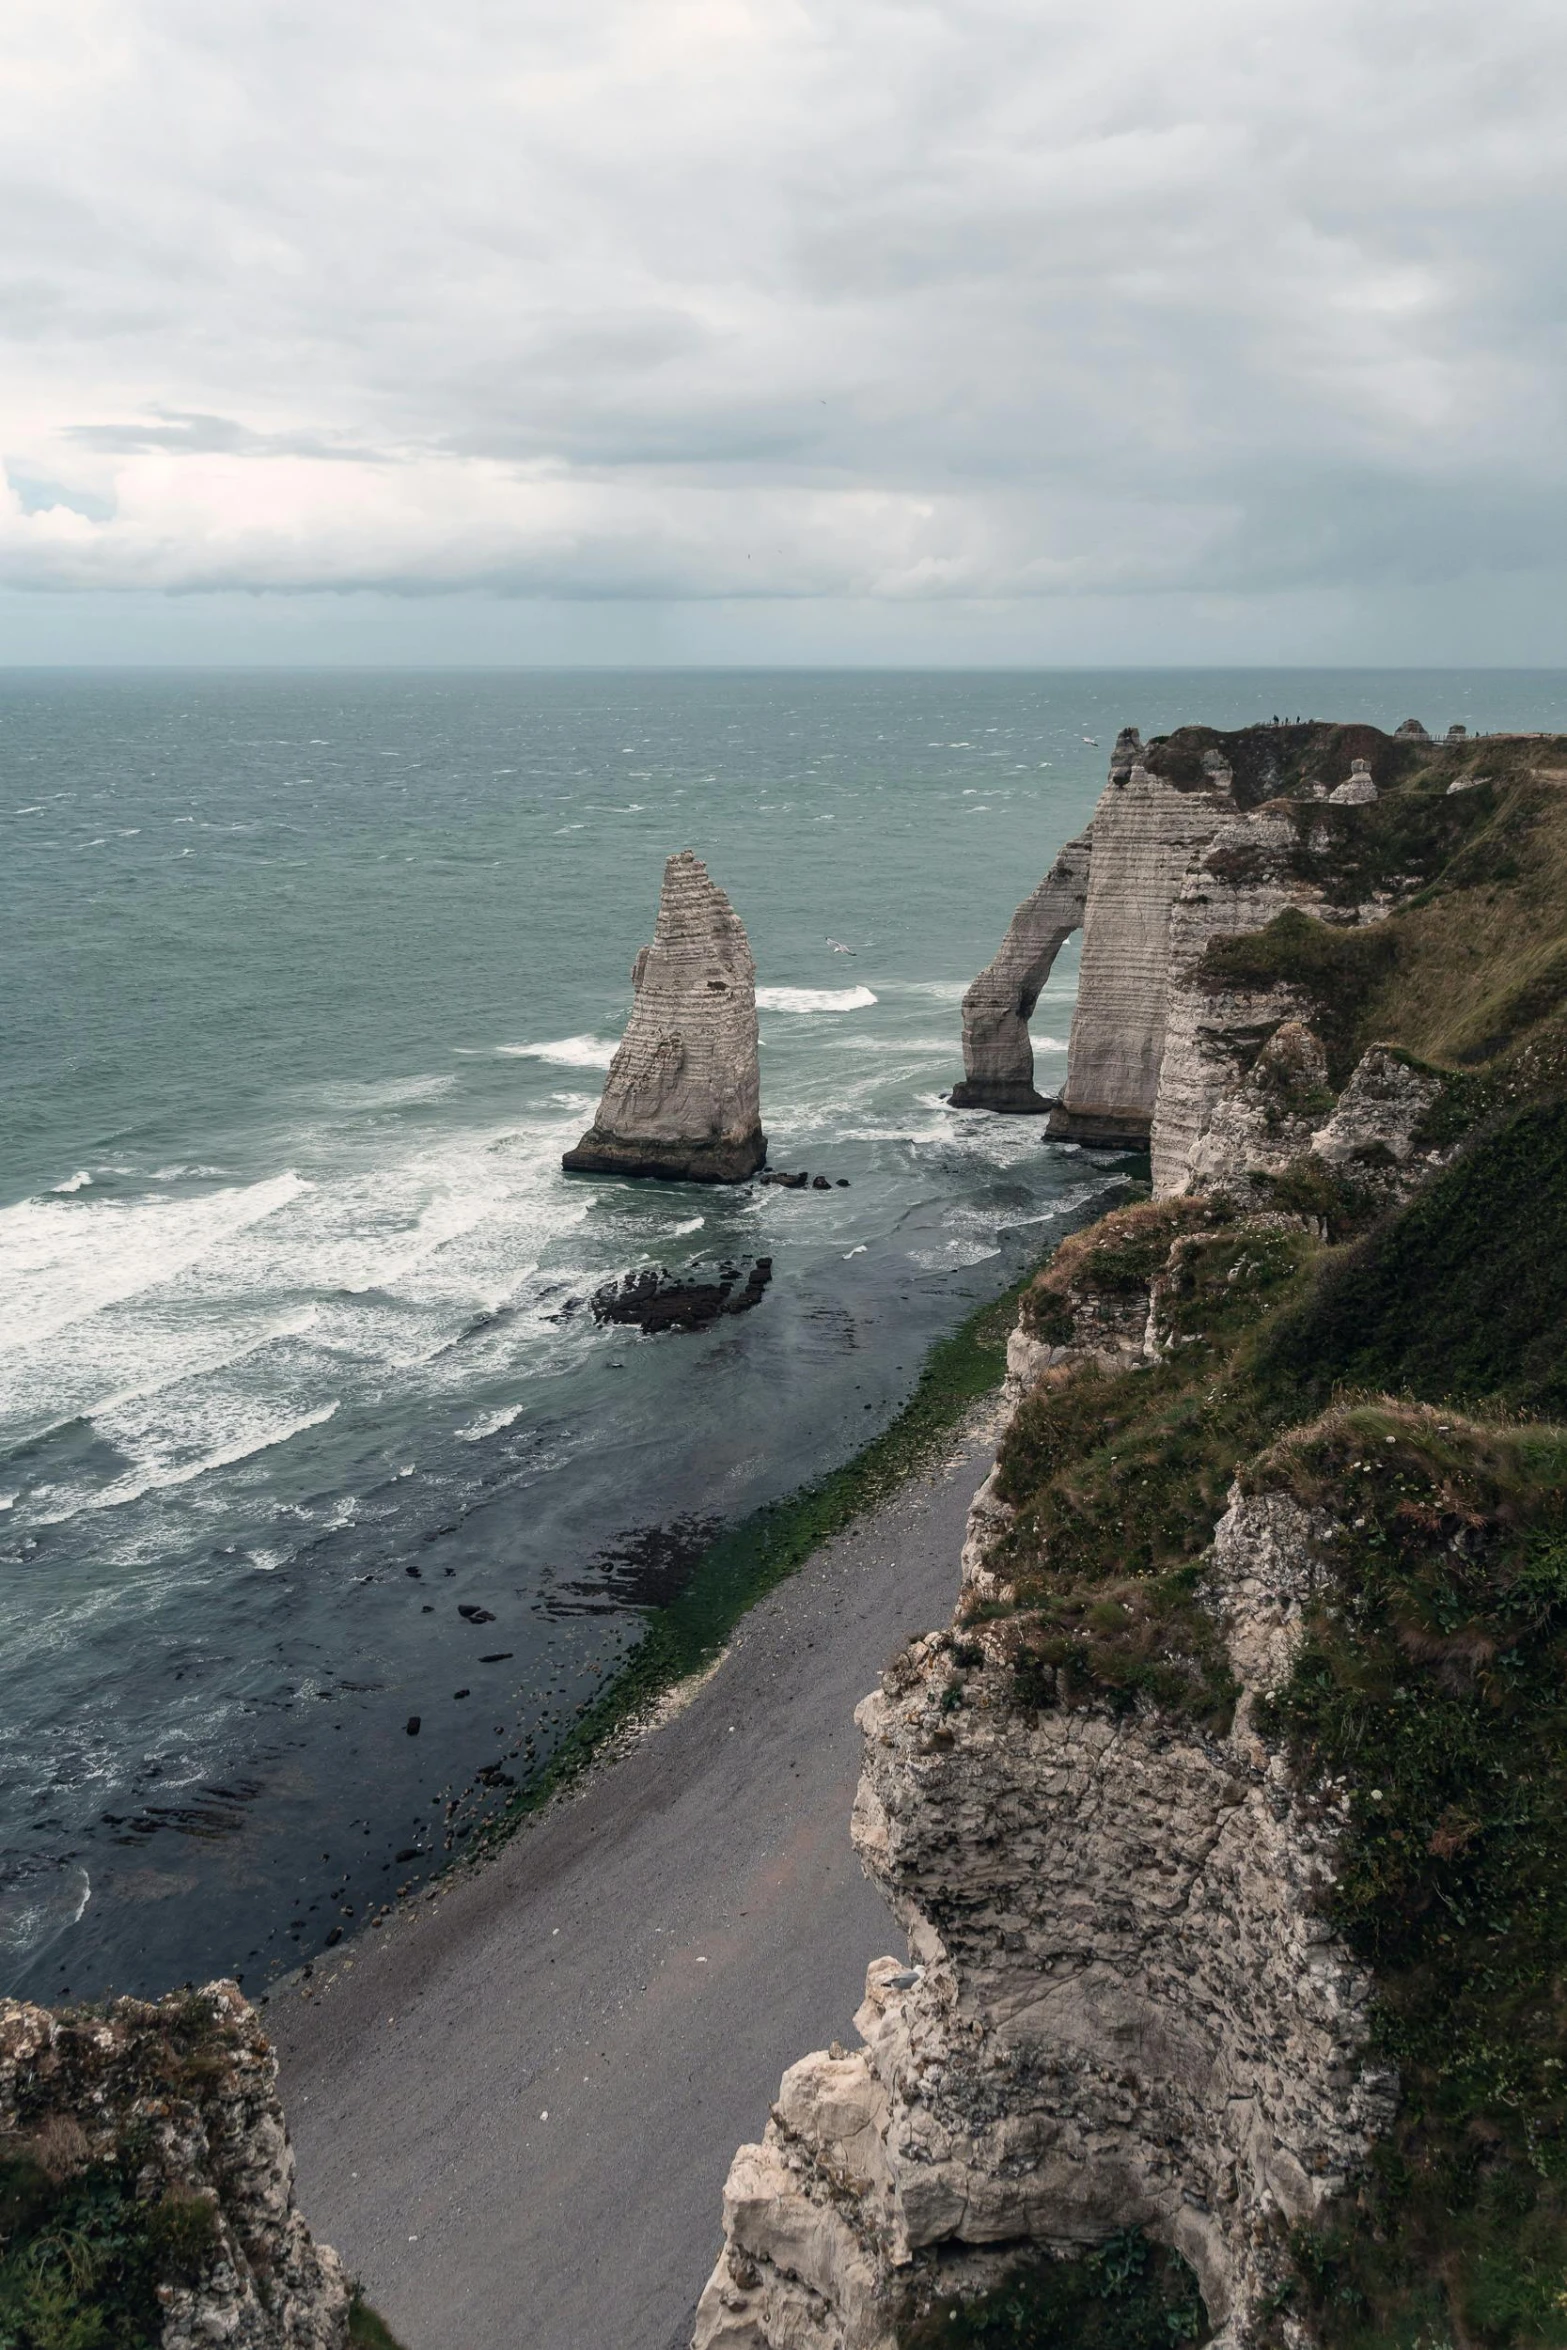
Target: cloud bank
{"points": [[902, 300]]}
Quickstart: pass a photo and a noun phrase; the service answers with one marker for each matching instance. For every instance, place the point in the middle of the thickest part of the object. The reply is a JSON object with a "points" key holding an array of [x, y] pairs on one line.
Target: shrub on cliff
{"points": [[1129, 2295], [1433, 1685]]}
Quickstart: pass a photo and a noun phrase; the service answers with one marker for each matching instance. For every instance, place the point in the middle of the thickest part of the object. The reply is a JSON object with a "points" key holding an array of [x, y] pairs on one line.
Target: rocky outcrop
{"points": [[655, 1300], [1266, 1122], [1282, 1115], [1247, 875], [683, 1098], [159, 2124], [1147, 829], [1122, 2007], [998, 1058], [1374, 1134], [1197, 836], [1357, 790]]}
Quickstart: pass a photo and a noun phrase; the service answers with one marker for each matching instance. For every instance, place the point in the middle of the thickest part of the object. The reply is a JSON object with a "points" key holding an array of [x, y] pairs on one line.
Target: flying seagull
{"points": [[1092, 740], [839, 948]]}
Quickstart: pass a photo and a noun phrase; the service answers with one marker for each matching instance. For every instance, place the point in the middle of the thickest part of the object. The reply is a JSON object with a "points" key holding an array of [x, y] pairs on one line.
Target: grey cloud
{"points": [[185, 435], [985, 298]]}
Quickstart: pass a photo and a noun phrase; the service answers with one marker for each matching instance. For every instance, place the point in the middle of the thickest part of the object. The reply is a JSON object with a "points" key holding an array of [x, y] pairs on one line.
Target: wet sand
{"points": [[515, 2109]]}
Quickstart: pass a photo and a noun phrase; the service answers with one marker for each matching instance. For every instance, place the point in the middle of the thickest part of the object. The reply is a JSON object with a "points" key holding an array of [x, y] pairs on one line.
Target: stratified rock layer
{"points": [[998, 1059], [683, 1099], [1243, 878], [184, 2089], [1146, 832]]}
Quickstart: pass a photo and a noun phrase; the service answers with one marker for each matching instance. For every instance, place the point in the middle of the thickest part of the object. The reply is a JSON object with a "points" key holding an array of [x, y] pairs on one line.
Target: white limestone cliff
{"points": [[683, 1097], [1146, 833], [1122, 2005], [186, 2088], [1245, 877]]}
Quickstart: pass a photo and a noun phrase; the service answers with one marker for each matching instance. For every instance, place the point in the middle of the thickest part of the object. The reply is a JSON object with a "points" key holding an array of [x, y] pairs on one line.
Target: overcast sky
{"points": [[686, 329]]}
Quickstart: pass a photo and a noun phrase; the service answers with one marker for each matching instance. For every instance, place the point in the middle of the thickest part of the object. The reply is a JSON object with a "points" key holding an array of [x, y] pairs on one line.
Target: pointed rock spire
{"points": [[683, 1098]]}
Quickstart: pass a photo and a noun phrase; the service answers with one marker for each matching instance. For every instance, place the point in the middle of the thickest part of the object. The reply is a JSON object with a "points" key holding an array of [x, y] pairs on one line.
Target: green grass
{"points": [[1128, 2295], [82, 2257], [1339, 971], [1435, 1682], [1464, 1296], [1118, 1478], [367, 2331], [1475, 960], [749, 1559]]}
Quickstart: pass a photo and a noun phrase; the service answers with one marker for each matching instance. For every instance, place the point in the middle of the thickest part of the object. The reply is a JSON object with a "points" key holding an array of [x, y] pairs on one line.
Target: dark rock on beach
{"points": [[655, 1300]]}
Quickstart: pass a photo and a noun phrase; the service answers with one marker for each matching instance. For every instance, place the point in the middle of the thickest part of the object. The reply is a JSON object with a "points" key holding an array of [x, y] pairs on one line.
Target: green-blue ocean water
{"points": [[308, 979]]}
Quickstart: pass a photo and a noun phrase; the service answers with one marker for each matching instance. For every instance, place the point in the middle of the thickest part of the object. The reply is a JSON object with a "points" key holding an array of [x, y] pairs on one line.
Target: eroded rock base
{"points": [[723, 1162]]}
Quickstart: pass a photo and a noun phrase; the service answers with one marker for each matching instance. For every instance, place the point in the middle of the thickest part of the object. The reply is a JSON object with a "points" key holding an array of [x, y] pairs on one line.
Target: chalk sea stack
{"points": [[683, 1100]]}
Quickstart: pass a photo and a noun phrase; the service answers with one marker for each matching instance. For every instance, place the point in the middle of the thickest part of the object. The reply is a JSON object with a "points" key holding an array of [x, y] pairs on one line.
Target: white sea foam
{"points": [[175, 1325], [77, 1182], [489, 1424], [265, 1431], [953, 1255], [63, 1260], [39, 1902], [814, 999], [896, 1044], [572, 1052]]}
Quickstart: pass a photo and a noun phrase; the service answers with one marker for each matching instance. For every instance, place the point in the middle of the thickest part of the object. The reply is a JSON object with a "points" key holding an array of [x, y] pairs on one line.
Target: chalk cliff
{"points": [[1122, 2008], [1245, 876], [1198, 836], [1146, 832], [1222, 1818], [683, 1098], [150, 2181]]}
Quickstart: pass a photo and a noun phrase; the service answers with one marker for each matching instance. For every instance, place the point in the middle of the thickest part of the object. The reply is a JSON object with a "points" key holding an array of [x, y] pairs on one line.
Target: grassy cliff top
{"points": [[1402, 1373], [1468, 844]]}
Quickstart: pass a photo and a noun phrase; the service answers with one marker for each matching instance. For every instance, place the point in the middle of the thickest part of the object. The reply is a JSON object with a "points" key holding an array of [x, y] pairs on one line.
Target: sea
{"points": [[307, 1425]]}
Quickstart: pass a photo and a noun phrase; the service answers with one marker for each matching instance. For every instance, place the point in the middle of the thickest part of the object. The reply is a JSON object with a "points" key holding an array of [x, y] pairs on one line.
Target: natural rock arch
{"points": [[998, 1056]]}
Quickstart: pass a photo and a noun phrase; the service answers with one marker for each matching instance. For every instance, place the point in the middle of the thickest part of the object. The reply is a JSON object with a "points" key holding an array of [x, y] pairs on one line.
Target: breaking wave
{"points": [[814, 999]]}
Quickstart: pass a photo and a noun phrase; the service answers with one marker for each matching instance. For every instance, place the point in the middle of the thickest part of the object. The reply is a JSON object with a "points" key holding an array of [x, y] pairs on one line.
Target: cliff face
{"points": [[1123, 2007], [1201, 837], [683, 1098], [148, 2183], [1223, 1819], [1241, 882], [1147, 830]]}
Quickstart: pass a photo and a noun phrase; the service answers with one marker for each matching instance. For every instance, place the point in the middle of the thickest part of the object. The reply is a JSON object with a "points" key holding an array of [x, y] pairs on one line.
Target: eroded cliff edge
{"points": [[1224, 1817], [147, 2184]]}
